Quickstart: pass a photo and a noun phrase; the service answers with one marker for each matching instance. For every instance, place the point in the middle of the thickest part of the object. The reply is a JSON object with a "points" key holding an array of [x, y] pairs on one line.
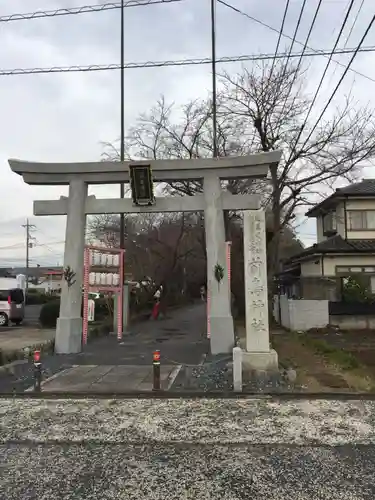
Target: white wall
{"points": [[284, 312], [312, 267], [303, 314]]}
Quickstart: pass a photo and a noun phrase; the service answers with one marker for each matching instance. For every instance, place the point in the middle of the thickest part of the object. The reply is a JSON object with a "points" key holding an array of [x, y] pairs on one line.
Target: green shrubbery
{"points": [[50, 311], [35, 297]]}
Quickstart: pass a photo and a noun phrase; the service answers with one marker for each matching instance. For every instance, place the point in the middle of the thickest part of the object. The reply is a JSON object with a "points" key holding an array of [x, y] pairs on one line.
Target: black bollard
{"points": [[37, 372], [156, 370]]}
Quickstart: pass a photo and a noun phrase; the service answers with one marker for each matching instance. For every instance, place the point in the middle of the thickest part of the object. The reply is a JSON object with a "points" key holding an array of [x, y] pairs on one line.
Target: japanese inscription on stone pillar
{"points": [[255, 259]]}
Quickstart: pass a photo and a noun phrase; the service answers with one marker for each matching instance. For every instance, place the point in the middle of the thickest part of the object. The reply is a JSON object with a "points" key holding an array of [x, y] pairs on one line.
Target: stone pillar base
{"points": [[260, 361], [222, 334], [68, 339]]}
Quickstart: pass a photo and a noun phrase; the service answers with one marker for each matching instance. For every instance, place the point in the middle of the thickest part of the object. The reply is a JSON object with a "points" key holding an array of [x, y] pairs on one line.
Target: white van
{"points": [[12, 306]]}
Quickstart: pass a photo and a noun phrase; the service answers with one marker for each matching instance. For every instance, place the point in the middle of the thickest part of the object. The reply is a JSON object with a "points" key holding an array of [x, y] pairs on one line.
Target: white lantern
{"points": [[92, 278], [96, 259], [103, 259], [116, 279], [109, 279], [91, 257], [110, 259], [103, 279], [116, 260]]}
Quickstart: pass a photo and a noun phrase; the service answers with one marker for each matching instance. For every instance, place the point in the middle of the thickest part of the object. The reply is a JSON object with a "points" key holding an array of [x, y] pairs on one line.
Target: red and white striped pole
{"points": [[120, 298], [228, 248], [86, 266], [208, 308]]}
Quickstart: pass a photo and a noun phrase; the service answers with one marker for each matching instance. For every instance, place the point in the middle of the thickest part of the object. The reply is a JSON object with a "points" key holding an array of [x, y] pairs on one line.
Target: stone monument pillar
{"points": [[258, 355], [69, 324], [221, 321]]}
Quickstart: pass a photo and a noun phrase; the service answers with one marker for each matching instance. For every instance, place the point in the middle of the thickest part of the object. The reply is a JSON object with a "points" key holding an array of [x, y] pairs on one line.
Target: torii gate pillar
{"points": [[220, 315]]}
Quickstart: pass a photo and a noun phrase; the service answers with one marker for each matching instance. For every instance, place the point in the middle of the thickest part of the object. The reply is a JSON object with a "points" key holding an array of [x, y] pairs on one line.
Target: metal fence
{"points": [[351, 308]]}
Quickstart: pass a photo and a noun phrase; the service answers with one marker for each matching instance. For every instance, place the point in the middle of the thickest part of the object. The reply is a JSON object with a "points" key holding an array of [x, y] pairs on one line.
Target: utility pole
{"points": [[122, 131], [29, 227], [122, 119], [214, 92]]}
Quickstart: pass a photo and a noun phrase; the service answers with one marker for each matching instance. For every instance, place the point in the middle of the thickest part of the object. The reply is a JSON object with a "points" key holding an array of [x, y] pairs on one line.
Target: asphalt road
{"points": [[191, 449]]}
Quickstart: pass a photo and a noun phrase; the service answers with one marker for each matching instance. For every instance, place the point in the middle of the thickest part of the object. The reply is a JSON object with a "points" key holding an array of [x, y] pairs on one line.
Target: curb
{"points": [[282, 396]]}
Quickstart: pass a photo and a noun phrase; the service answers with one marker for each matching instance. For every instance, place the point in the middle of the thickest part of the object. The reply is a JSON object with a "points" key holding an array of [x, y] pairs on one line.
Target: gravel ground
{"points": [[216, 374], [209, 421], [187, 449], [176, 472]]}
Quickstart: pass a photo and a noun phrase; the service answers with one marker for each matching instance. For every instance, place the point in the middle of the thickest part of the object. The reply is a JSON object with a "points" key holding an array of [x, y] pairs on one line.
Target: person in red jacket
{"points": [[156, 309]]}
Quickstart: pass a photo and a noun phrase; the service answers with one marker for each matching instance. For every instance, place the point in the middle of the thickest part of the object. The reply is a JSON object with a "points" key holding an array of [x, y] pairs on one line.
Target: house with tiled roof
{"points": [[345, 226]]}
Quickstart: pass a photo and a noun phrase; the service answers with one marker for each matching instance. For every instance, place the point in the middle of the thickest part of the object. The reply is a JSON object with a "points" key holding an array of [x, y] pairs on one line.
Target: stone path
{"points": [[180, 338], [104, 378]]}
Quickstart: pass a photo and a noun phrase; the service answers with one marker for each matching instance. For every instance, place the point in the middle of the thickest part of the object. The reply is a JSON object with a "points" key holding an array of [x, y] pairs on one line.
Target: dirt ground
{"points": [[328, 371], [360, 343], [325, 360]]}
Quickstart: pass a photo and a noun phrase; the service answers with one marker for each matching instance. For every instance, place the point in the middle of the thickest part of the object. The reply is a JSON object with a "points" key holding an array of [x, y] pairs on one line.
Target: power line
{"points": [[81, 10], [296, 70], [340, 81], [262, 23], [322, 78], [181, 62], [279, 37], [294, 36], [354, 23]]}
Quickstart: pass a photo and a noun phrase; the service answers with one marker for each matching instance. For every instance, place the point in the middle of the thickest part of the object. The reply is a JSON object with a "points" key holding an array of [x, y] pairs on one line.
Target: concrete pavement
{"points": [[181, 339], [105, 378], [198, 449]]}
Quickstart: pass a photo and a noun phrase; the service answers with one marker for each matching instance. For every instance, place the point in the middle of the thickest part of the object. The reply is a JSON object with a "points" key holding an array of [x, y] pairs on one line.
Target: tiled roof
{"points": [[364, 188], [336, 244]]}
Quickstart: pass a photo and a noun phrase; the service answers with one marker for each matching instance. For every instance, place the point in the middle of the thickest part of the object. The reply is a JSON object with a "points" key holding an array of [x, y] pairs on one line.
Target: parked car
{"points": [[12, 306]]}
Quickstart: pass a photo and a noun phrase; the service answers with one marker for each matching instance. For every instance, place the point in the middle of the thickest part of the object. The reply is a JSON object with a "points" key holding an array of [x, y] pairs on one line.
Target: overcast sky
{"points": [[65, 117]]}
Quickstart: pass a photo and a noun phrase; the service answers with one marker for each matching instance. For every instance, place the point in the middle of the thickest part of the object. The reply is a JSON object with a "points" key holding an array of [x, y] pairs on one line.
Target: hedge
{"points": [[37, 298], [50, 312]]}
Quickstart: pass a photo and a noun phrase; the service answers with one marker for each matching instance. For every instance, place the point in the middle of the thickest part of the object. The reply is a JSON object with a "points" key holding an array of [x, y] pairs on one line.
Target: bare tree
{"points": [[271, 108], [261, 110], [165, 247]]}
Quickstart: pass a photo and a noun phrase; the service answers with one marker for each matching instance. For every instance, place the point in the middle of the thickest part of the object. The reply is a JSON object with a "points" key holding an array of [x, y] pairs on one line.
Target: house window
{"points": [[329, 223], [361, 220]]}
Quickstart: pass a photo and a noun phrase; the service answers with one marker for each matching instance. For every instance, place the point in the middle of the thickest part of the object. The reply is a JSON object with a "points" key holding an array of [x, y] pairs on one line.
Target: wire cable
{"points": [[345, 44], [294, 38], [340, 81], [322, 79], [279, 37], [81, 10], [181, 62], [354, 23], [262, 23], [296, 70]]}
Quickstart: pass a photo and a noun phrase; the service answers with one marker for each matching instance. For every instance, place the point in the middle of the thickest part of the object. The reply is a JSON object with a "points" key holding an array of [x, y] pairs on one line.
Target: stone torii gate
{"points": [[212, 202]]}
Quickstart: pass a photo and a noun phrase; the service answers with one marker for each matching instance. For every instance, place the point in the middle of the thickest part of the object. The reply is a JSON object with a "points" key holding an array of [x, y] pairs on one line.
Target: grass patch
{"points": [[346, 360]]}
